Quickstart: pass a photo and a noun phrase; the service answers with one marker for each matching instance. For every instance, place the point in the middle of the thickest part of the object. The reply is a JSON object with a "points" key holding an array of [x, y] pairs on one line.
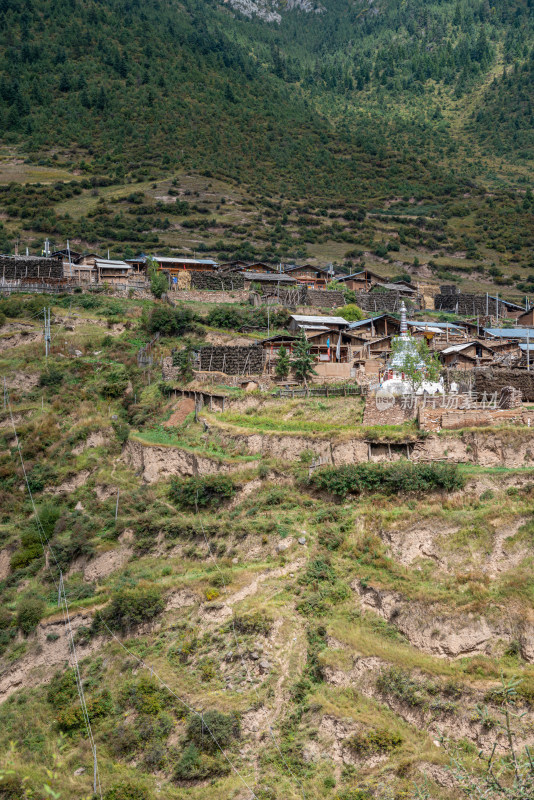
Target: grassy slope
{"points": [[303, 694]]}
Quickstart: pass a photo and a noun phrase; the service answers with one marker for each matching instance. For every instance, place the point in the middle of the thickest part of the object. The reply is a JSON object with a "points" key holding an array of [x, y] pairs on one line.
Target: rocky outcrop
{"points": [[269, 10], [156, 463], [442, 633]]}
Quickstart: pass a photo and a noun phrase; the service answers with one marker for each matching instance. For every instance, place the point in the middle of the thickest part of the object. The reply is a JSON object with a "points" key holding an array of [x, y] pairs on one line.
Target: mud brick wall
{"points": [[19, 267], [231, 360], [467, 304], [493, 379], [215, 281], [434, 419], [323, 298], [396, 414], [386, 301]]}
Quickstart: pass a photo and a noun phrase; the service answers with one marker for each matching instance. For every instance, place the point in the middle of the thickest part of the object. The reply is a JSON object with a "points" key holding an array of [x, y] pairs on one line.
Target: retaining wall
{"points": [[20, 267], [493, 379], [387, 301], [215, 281], [468, 304]]}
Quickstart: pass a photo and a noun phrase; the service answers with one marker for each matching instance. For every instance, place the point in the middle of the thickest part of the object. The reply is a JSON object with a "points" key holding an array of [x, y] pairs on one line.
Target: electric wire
{"points": [[62, 597], [62, 601], [243, 662]]}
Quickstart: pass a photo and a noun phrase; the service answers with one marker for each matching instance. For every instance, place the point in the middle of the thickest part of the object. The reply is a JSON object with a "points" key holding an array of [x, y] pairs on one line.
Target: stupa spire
{"points": [[403, 323]]}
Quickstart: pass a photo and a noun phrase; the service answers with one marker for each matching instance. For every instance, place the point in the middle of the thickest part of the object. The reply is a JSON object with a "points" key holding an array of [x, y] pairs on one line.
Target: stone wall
{"points": [[297, 296], [231, 360], [493, 379], [206, 296], [216, 281], [384, 413], [22, 267], [467, 304], [387, 301], [431, 419]]}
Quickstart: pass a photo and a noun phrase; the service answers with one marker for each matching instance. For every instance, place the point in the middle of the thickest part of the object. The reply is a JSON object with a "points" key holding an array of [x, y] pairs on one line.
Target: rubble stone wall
{"points": [[387, 301], [494, 379], [231, 360], [215, 281], [468, 304], [20, 267]]}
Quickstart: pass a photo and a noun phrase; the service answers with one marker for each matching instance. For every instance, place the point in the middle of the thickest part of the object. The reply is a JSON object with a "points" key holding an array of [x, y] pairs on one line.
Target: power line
{"points": [[63, 602], [243, 663]]}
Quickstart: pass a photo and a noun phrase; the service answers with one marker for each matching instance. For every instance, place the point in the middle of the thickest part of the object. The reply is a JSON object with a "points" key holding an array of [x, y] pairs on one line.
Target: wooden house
{"points": [[114, 272], [139, 266], [307, 275], [324, 346], [269, 278], [300, 322], [383, 325], [466, 355], [526, 319], [173, 265], [360, 281]]}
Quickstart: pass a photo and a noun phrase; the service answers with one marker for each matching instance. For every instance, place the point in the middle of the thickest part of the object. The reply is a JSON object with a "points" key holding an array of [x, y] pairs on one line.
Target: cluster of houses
{"points": [[357, 349]]}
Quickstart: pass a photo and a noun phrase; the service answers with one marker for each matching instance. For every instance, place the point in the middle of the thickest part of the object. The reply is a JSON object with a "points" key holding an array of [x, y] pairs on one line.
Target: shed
{"points": [[109, 271], [299, 321]]}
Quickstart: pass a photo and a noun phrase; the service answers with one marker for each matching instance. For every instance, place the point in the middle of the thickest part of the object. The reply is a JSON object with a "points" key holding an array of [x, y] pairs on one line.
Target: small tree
{"points": [[158, 279], [351, 312], [183, 359], [283, 365], [419, 364], [303, 360]]}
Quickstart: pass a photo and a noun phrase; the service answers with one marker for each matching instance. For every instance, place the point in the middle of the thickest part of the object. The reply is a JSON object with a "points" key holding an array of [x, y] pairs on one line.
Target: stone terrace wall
{"points": [[431, 419], [493, 379], [207, 296], [215, 281], [231, 360], [467, 304], [20, 267], [303, 296], [386, 301], [396, 414]]}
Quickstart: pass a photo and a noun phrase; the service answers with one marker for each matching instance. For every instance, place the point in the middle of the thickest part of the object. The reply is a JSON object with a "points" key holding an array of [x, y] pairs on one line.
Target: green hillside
{"points": [[281, 140]]}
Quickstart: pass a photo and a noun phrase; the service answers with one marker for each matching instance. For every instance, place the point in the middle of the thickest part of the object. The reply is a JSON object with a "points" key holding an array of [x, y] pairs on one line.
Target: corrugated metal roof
{"points": [[441, 325], [510, 333], [457, 348], [276, 277], [319, 320], [179, 259], [523, 346], [396, 287], [106, 263]]}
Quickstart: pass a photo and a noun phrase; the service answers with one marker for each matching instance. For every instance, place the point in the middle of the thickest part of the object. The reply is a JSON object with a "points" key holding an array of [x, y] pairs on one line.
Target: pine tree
{"points": [[283, 364], [303, 360]]}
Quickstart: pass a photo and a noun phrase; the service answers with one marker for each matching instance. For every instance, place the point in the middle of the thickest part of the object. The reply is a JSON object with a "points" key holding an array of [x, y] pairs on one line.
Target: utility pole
{"points": [[47, 334], [5, 394]]}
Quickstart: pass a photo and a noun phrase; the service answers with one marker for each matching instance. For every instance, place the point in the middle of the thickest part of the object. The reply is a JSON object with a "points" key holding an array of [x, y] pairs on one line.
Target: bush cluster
{"points": [[202, 491], [128, 608], [400, 477]]}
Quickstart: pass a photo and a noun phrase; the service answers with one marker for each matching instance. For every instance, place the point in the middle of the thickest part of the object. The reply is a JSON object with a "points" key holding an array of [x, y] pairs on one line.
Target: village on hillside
{"points": [[481, 344]]}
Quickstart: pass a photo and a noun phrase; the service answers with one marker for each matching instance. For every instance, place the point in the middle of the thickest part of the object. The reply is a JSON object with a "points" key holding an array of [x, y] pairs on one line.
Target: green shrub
{"points": [[171, 321], [31, 548], [122, 431], [72, 718], [11, 786], [255, 622], [224, 728], [381, 740], [116, 382], [51, 377], [130, 607], [125, 790], [2, 318], [62, 689], [202, 491], [29, 613], [388, 478], [194, 765], [144, 695]]}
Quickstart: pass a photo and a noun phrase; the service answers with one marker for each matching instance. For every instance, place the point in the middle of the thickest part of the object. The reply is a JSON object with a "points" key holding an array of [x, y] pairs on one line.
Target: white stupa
{"points": [[395, 382]]}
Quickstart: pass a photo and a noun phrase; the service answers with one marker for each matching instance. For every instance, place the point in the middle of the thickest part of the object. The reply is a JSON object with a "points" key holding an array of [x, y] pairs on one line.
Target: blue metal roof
{"points": [[510, 333]]}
